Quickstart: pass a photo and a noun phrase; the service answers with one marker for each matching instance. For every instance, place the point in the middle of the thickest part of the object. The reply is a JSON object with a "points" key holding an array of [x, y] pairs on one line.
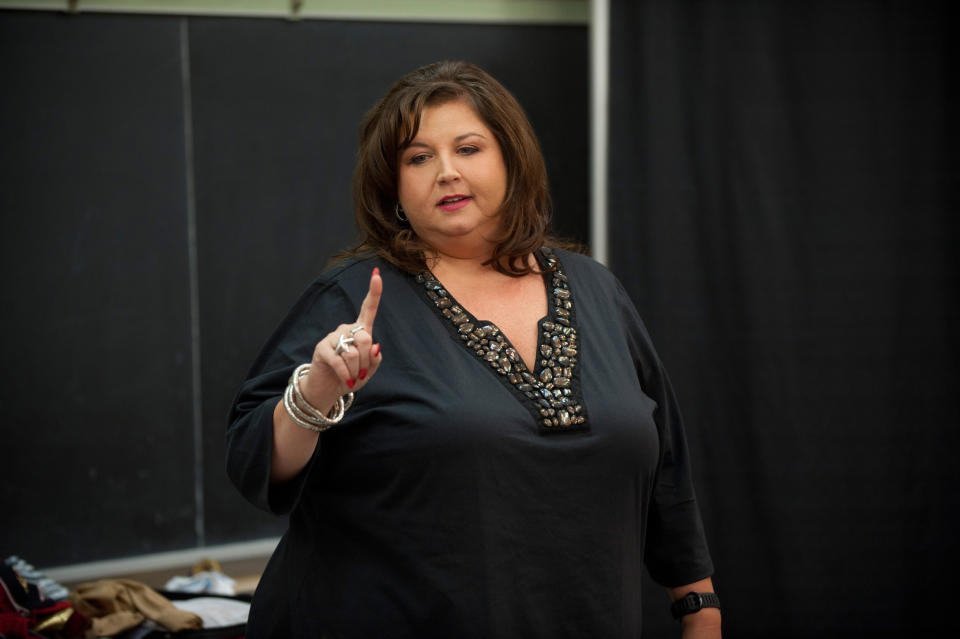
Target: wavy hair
{"points": [[392, 124]]}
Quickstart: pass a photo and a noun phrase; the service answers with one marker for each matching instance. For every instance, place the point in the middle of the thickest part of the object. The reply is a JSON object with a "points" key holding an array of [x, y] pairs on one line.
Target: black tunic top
{"points": [[442, 506]]}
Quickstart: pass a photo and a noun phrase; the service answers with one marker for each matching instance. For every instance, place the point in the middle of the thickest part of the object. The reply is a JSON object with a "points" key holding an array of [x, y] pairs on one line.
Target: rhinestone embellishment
{"points": [[550, 388]]}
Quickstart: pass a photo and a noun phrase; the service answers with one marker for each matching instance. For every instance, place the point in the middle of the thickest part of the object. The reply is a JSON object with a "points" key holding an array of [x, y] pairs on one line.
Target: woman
{"points": [[513, 452]]}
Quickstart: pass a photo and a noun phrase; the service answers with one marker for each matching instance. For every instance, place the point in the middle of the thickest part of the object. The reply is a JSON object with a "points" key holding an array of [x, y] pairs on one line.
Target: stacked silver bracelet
{"points": [[305, 415]]}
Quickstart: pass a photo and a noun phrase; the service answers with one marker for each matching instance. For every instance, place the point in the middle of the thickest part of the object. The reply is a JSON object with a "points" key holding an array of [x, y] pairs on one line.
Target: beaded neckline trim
{"points": [[552, 393]]}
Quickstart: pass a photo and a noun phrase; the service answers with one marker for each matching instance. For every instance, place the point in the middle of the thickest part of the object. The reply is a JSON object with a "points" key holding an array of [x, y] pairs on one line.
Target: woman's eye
{"points": [[468, 150], [418, 159]]}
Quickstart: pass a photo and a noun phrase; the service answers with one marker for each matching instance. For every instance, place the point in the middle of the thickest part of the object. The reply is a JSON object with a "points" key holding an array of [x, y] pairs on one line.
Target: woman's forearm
{"points": [[293, 446], [703, 624]]}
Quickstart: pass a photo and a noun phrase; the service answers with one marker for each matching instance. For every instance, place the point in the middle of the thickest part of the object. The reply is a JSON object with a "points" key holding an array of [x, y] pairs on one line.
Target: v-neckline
{"points": [[551, 391], [544, 275]]}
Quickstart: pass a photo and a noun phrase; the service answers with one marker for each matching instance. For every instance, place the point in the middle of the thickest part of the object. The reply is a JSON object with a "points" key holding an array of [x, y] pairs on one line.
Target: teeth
{"points": [[453, 199]]}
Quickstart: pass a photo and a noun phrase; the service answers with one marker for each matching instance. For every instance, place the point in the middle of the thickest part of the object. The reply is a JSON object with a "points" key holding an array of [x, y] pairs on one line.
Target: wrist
{"points": [[305, 414], [692, 603]]}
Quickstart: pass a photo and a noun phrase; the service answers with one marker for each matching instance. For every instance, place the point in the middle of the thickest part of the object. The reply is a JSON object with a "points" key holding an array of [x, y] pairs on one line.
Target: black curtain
{"points": [[780, 192]]}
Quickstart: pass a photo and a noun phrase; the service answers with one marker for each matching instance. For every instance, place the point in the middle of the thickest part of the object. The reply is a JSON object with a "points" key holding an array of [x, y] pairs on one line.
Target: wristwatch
{"points": [[693, 602]]}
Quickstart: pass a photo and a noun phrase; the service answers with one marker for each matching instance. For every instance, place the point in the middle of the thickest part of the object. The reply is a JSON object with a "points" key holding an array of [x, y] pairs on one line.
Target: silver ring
{"points": [[357, 329], [343, 344]]}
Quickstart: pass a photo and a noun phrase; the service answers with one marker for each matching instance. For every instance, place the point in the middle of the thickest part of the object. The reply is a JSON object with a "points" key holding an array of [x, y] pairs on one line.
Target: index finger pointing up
{"points": [[368, 310]]}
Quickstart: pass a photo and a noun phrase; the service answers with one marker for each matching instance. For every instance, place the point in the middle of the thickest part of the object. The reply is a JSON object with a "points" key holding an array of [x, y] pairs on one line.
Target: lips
{"points": [[450, 199], [454, 202]]}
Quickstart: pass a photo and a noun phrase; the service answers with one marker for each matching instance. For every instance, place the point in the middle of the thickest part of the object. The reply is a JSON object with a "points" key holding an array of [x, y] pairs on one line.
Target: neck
{"points": [[467, 266], [466, 263]]}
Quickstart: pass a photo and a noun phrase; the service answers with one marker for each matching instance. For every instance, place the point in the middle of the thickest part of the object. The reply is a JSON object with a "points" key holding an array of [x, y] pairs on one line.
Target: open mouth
{"points": [[453, 199], [455, 202]]}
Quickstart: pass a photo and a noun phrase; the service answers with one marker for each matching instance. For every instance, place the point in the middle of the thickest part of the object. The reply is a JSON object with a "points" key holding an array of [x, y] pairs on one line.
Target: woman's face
{"points": [[452, 180]]}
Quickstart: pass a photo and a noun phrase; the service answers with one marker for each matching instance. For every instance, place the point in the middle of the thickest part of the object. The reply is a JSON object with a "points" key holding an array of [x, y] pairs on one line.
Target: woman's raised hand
{"points": [[331, 375], [336, 371]]}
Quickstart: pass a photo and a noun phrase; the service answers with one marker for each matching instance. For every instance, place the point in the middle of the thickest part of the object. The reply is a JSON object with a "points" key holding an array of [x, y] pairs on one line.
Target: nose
{"points": [[448, 171]]}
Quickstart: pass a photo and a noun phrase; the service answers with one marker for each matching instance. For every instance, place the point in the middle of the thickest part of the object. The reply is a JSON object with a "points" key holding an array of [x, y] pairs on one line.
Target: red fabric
{"points": [[76, 626], [5, 605], [13, 626]]}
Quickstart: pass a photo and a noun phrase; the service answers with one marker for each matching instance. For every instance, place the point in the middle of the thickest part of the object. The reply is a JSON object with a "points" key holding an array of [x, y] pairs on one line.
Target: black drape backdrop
{"points": [[779, 185]]}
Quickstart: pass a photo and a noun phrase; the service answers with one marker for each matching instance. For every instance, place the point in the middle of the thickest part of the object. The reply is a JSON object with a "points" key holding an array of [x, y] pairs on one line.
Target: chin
{"points": [[455, 229]]}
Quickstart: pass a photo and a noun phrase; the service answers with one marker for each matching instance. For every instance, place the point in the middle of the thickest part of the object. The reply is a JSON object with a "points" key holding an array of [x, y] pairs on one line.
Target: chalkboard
{"points": [[96, 390], [115, 134]]}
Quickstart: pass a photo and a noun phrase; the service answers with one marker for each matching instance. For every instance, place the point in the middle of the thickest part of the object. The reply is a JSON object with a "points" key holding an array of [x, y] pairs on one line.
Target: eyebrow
{"points": [[460, 137]]}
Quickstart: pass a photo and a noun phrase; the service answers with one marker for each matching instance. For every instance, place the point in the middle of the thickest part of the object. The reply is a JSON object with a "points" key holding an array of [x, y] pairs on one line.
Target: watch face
{"points": [[689, 603]]}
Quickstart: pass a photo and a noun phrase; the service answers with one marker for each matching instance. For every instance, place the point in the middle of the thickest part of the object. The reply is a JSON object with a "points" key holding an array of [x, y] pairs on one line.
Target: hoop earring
{"points": [[398, 211]]}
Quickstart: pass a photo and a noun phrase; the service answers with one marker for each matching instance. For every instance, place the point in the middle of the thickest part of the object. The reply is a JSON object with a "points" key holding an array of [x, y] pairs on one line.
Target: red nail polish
{"points": [[363, 373], [376, 350], [376, 270], [350, 383]]}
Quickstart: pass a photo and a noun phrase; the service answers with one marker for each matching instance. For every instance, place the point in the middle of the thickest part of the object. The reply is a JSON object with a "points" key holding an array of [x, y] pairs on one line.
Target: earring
{"points": [[398, 211]]}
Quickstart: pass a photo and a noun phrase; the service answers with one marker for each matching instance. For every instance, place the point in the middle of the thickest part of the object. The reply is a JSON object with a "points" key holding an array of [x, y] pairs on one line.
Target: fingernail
{"points": [[376, 350], [376, 270], [363, 373], [350, 383]]}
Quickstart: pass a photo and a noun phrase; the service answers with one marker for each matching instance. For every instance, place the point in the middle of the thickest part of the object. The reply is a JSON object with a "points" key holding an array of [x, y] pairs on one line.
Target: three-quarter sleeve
{"points": [[250, 431], [676, 550]]}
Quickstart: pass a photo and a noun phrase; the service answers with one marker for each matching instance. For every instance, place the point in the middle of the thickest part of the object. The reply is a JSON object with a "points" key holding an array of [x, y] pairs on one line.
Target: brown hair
{"points": [[392, 124]]}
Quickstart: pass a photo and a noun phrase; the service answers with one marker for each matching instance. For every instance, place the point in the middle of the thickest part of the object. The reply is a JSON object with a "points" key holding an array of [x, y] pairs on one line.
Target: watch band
{"points": [[694, 602]]}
